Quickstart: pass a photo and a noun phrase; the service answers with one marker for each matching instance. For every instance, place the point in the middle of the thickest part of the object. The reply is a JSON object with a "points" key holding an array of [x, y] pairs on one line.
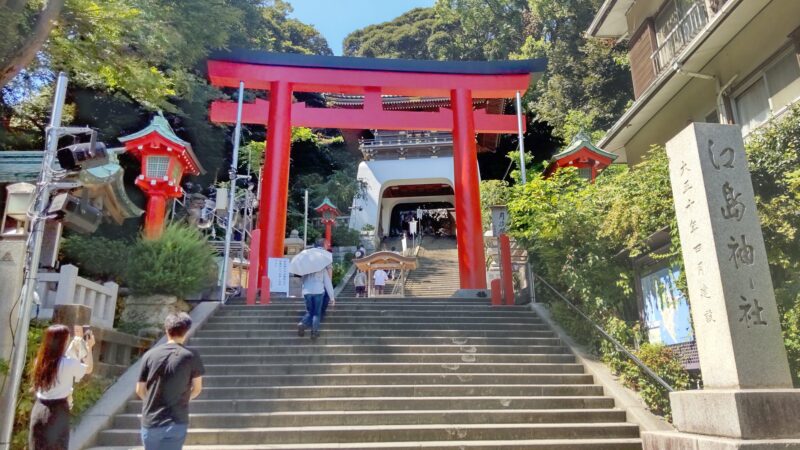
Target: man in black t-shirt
{"points": [[171, 376]]}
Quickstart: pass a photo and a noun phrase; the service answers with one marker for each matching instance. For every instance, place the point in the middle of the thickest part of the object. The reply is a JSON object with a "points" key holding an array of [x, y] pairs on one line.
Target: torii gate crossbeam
{"points": [[283, 74]]}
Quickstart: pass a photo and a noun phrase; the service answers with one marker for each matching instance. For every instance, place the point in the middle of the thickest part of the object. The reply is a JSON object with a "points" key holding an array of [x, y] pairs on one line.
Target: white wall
{"points": [[379, 175]]}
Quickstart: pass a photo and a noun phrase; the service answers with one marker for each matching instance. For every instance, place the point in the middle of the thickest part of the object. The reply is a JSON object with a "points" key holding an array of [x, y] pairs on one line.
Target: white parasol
{"points": [[310, 260]]}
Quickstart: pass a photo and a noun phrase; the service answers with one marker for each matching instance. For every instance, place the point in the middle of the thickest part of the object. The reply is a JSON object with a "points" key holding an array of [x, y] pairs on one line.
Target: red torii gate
{"points": [[282, 74]]}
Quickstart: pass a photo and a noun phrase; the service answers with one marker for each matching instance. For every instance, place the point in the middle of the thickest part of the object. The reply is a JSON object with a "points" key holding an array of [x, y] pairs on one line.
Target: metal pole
{"points": [[521, 140], [41, 198], [305, 223], [237, 135]]}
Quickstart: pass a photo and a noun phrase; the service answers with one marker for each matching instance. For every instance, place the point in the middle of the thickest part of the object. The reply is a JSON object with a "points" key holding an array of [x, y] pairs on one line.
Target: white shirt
{"points": [[318, 283], [361, 279], [380, 277], [70, 371]]}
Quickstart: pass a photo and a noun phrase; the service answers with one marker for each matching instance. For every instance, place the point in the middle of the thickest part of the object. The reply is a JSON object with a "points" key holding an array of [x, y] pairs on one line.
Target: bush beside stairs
{"points": [[392, 373]]}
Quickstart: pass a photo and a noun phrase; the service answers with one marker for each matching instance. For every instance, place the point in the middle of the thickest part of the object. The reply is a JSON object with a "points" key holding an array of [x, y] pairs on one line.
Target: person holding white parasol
{"points": [[312, 264]]}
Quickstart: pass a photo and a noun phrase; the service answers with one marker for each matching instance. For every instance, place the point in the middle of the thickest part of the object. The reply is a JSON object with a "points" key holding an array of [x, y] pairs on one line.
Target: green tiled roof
{"points": [[580, 141], [24, 166], [327, 201], [160, 125], [19, 166]]}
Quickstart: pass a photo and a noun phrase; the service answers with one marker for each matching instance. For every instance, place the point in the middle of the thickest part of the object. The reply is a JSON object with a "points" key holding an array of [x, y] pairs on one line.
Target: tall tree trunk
{"points": [[33, 43]]}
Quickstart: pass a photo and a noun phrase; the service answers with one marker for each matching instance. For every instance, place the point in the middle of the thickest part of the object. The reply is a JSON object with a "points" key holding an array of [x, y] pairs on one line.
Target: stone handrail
{"points": [[66, 287]]}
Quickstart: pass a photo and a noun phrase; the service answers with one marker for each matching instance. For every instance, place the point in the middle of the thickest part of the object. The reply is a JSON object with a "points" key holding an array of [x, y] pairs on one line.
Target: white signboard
{"points": [[412, 227], [278, 273]]}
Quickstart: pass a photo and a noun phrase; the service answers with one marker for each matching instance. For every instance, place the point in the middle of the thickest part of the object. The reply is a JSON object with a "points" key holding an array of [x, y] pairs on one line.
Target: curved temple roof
{"points": [[525, 66]]}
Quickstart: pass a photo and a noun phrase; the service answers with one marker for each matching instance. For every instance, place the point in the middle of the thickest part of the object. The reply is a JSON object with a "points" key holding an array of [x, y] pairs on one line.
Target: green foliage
{"points": [[180, 263], [26, 398], [665, 364], [791, 338], [773, 152], [4, 367], [493, 192], [405, 37], [344, 236], [587, 84], [339, 270], [96, 257]]}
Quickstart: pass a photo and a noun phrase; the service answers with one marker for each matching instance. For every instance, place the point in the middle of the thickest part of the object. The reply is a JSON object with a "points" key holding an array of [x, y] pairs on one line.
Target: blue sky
{"points": [[335, 19]]}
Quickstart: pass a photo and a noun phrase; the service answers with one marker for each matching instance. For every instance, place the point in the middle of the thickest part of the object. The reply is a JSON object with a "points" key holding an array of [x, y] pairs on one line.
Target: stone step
{"points": [[253, 387], [468, 326], [249, 405], [406, 358], [386, 314], [523, 444], [346, 310], [418, 417], [375, 304], [202, 344], [405, 336], [387, 299], [389, 379], [246, 368], [386, 433], [284, 339]]}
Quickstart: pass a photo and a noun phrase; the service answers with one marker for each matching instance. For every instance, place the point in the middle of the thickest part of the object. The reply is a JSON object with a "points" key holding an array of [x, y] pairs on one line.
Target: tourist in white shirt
{"points": [[380, 278], [54, 375]]}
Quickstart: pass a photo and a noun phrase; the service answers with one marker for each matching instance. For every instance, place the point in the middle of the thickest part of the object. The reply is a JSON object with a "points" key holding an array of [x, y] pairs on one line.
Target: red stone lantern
{"points": [[329, 213], [582, 154], [165, 158]]}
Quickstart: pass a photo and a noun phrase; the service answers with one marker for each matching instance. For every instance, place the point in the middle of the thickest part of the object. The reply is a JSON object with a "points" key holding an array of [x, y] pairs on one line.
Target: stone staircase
{"points": [[437, 269], [436, 274], [391, 374]]}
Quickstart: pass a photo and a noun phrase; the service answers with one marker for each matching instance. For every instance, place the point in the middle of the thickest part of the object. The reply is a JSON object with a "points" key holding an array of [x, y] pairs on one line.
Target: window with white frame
{"points": [[157, 166], [772, 90]]}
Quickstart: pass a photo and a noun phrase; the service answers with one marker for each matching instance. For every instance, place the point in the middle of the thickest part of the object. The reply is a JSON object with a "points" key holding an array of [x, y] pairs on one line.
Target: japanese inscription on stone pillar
{"points": [[733, 304]]}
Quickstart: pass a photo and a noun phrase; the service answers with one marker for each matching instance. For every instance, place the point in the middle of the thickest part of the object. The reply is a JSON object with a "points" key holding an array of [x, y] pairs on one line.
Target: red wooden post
{"points": [[275, 186], [505, 269], [471, 257], [265, 290], [328, 233], [253, 270], [497, 294], [155, 215]]}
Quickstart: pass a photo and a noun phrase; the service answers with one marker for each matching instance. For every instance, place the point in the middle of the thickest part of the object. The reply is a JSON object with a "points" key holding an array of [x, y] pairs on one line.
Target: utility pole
{"points": [[33, 253], [305, 223], [521, 140], [237, 135]]}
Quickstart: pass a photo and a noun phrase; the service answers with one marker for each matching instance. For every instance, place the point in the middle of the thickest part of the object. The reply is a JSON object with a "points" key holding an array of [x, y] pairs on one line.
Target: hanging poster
{"points": [[666, 311]]}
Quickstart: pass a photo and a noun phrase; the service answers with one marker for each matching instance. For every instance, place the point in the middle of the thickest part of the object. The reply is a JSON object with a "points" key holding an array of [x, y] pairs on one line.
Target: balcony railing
{"points": [[691, 22]]}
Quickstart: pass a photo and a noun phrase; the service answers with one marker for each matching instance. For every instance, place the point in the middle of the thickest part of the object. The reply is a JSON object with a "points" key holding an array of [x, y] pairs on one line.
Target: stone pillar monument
{"points": [[747, 401]]}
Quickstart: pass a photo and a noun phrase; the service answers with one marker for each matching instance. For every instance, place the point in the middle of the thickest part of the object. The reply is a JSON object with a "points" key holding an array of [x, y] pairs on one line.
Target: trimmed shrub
{"points": [[180, 262]]}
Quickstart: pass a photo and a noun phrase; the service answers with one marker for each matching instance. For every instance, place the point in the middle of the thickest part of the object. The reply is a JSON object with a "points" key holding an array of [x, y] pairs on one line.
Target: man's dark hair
{"points": [[177, 324]]}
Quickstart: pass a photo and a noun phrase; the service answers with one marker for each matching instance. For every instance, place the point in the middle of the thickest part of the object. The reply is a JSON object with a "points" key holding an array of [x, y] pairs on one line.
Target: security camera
{"points": [[75, 213], [82, 156]]}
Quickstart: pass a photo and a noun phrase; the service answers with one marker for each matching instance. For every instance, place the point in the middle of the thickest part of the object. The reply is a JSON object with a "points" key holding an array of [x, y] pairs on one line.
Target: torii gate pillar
{"points": [[275, 183], [472, 259]]}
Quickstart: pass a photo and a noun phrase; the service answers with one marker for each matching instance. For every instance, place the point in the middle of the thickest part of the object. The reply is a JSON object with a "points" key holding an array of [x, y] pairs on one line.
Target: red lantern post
{"points": [[329, 213], [165, 158]]}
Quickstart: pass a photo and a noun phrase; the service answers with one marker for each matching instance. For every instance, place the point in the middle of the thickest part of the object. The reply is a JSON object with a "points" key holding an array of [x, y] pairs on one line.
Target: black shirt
{"points": [[168, 371]]}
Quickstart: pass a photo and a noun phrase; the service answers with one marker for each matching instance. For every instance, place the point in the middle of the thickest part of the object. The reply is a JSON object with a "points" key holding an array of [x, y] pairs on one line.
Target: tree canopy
{"points": [[586, 86]]}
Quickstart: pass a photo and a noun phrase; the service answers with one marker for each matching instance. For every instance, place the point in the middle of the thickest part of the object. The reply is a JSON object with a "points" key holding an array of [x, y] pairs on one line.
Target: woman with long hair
{"points": [[54, 374]]}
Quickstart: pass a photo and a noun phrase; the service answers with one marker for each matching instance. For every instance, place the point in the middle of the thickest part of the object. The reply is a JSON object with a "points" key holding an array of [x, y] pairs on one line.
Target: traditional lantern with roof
{"points": [[582, 154], [329, 213], [165, 158]]}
